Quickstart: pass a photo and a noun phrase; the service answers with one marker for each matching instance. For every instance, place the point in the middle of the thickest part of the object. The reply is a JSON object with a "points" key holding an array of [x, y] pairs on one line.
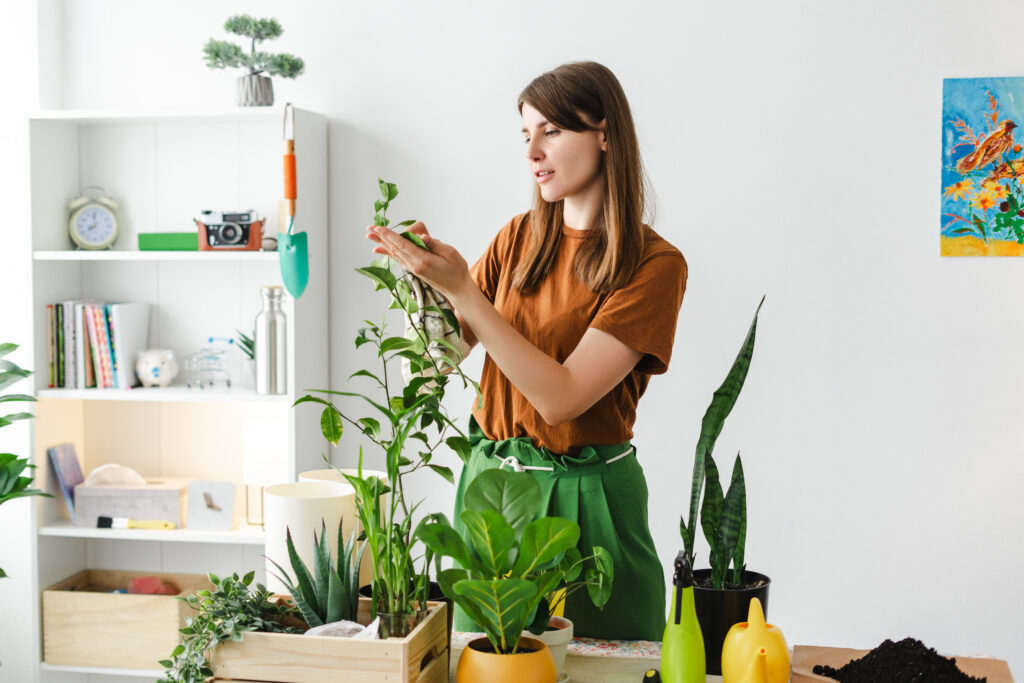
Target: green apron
{"points": [[609, 502]]}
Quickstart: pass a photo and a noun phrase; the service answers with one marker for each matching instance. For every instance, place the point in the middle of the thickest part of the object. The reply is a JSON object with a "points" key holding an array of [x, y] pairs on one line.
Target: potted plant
{"points": [[14, 482], [722, 597], [505, 575], [254, 90], [398, 422], [224, 614]]}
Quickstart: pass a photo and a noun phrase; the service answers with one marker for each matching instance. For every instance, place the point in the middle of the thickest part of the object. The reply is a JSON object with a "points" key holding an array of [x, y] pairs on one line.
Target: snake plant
{"points": [[327, 593], [723, 517]]}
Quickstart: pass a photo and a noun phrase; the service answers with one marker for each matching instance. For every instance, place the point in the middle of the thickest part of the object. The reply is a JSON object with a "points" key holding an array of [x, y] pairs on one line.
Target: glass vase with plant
{"points": [[408, 423]]}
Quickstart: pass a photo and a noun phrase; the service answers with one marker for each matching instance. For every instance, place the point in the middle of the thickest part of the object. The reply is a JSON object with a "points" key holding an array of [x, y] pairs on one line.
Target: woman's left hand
{"points": [[442, 267]]}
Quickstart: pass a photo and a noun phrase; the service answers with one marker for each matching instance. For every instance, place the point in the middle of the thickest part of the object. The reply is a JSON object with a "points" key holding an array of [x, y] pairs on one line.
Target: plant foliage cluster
{"points": [[221, 54]]}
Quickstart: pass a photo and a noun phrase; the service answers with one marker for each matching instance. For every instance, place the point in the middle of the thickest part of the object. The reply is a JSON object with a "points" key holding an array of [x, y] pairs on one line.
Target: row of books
{"points": [[94, 343]]}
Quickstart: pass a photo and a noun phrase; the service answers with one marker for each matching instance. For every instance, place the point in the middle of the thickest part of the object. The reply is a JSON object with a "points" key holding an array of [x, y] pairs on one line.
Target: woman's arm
{"points": [[558, 391]]}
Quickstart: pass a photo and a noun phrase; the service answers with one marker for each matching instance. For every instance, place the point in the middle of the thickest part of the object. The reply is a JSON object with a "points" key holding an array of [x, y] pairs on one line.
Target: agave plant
{"points": [[328, 593]]}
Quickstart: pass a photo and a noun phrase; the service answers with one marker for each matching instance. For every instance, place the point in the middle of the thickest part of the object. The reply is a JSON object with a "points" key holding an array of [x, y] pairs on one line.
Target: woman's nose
{"points": [[533, 151]]}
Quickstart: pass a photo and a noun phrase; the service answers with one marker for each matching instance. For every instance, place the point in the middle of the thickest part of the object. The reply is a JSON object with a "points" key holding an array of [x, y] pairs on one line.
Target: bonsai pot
{"points": [[532, 662], [255, 91], [718, 610], [557, 638]]}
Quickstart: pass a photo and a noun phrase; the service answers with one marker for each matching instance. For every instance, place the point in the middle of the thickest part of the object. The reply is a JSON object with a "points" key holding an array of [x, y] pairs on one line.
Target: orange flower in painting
{"points": [[984, 201], [994, 188], [960, 189]]}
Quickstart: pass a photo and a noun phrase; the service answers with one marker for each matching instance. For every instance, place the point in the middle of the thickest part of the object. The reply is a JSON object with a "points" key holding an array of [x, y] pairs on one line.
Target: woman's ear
{"points": [[604, 137]]}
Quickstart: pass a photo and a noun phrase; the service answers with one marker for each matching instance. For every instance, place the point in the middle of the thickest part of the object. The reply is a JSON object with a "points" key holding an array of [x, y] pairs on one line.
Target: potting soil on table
{"points": [[908, 661]]}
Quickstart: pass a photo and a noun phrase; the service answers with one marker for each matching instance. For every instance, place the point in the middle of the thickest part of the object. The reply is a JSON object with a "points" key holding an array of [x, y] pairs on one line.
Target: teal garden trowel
{"points": [[292, 247]]}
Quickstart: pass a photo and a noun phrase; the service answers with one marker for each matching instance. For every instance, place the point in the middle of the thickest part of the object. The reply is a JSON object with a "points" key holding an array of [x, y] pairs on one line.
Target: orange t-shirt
{"points": [[555, 315]]}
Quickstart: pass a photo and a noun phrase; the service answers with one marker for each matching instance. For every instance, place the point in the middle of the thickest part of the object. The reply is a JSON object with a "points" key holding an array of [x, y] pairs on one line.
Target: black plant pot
{"points": [[435, 595], [718, 610]]}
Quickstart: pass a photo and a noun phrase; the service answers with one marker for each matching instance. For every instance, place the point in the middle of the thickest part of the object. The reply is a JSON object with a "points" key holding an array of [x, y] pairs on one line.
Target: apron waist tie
{"points": [[513, 462]]}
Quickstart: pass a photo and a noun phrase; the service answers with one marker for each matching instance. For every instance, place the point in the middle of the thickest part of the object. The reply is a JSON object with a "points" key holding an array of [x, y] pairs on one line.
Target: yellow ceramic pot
{"points": [[755, 652], [479, 663]]}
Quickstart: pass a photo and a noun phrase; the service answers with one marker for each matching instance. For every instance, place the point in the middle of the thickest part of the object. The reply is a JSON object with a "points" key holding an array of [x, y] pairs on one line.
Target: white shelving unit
{"points": [[163, 168]]}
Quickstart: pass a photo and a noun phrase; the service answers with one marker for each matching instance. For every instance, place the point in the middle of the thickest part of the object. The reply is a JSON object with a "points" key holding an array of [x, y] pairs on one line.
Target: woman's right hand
{"points": [[442, 267]]}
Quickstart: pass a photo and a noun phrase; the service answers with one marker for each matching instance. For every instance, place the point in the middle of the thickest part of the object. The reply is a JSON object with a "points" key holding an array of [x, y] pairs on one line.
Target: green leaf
{"points": [[516, 496], [392, 191], [378, 205], [445, 472], [6, 348], [384, 278], [492, 538], [413, 237], [367, 373], [380, 220], [461, 447], [571, 565], [383, 184], [442, 539], [504, 605], [330, 424], [711, 521], [370, 427], [543, 540], [395, 343], [406, 224], [734, 520]]}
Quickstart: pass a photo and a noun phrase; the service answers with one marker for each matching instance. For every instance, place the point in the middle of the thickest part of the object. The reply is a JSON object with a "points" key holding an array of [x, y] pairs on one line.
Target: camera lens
{"points": [[230, 233]]}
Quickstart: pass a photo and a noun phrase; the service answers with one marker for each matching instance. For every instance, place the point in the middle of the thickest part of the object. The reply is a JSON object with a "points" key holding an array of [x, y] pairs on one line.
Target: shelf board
{"points": [[165, 394], [113, 116], [199, 256], [243, 534], [101, 670]]}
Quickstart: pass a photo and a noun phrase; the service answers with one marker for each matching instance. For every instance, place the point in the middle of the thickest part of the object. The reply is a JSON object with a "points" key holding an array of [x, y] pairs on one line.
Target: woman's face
{"points": [[565, 163]]}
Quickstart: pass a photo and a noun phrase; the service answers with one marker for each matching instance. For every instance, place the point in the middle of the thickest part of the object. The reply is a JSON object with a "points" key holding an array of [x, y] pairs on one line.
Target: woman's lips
{"points": [[545, 178]]}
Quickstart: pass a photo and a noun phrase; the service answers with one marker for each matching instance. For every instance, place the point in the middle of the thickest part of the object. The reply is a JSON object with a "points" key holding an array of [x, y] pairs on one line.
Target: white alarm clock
{"points": [[92, 222]]}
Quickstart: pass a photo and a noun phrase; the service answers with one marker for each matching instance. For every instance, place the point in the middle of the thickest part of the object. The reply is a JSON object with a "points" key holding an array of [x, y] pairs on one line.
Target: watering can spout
{"points": [[759, 667]]}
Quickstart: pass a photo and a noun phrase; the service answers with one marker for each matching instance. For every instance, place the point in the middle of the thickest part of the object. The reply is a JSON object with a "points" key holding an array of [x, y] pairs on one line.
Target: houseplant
{"points": [[14, 483], [254, 90], [400, 589], [513, 563], [225, 614], [722, 597]]}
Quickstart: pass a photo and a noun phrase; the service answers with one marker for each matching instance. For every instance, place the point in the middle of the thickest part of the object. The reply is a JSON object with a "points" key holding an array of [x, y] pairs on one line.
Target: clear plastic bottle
{"points": [[270, 343]]}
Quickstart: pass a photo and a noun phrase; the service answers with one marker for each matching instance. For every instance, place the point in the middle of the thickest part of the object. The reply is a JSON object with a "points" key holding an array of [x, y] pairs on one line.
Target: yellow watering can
{"points": [[755, 652]]}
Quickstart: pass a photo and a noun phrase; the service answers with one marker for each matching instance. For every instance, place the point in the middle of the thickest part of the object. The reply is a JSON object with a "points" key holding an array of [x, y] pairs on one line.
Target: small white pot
{"points": [[557, 641]]}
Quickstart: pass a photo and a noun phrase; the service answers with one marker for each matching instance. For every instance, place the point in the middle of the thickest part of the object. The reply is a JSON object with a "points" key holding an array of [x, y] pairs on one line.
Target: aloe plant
{"points": [[723, 518], [327, 593], [14, 482], [514, 560]]}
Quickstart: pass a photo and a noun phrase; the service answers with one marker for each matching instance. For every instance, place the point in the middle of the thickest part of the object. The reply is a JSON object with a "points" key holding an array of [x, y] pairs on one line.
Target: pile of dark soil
{"points": [[908, 661]]}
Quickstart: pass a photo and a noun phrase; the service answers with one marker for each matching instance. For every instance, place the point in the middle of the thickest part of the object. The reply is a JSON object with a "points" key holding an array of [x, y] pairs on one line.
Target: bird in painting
{"points": [[1014, 169], [989, 149]]}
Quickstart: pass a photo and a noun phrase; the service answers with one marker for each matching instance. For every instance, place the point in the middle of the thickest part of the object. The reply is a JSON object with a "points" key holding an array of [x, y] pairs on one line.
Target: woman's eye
{"points": [[551, 132]]}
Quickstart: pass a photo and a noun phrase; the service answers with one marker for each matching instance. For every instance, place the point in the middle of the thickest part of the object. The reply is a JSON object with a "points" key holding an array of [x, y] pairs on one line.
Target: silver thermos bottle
{"points": [[270, 342]]}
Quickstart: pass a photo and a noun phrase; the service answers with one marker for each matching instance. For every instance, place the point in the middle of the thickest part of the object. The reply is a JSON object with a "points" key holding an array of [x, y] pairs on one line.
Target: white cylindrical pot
{"points": [[334, 475], [255, 91], [303, 508], [557, 640]]}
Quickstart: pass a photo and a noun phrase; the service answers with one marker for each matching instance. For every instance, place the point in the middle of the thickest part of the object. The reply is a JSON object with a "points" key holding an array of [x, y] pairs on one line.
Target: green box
{"points": [[168, 241]]}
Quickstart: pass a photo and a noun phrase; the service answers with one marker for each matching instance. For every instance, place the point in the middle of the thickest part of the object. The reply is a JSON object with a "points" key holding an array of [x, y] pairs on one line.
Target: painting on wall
{"points": [[982, 167]]}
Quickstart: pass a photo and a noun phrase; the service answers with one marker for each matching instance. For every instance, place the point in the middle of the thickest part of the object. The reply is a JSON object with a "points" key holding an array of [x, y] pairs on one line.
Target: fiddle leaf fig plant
{"points": [[14, 479], [723, 517], [513, 560], [408, 423]]}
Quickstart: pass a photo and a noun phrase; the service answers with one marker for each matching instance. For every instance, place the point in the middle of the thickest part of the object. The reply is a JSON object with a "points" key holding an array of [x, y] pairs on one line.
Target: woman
{"points": [[575, 303]]}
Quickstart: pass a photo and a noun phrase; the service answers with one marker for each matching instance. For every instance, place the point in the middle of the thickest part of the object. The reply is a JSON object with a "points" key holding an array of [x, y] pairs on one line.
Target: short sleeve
{"points": [[643, 314], [488, 268]]}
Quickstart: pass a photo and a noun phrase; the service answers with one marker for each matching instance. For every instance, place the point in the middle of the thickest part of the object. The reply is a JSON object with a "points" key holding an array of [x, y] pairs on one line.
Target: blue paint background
{"points": [[967, 99]]}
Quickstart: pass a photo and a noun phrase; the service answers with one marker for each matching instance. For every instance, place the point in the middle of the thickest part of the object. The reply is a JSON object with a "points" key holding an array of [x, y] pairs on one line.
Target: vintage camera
{"points": [[234, 230]]}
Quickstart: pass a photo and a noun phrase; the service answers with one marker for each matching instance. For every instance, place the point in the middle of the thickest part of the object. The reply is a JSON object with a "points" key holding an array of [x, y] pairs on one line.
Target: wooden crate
{"points": [[421, 657], [86, 625]]}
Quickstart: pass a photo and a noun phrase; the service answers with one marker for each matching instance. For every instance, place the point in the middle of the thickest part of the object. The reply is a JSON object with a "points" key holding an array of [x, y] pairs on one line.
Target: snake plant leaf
{"points": [[543, 541], [303, 579], [504, 605], [322, 569], [711, 520], [309, 614], [492, 538], [736, 505], [337, 600], [516, 496], [711, 426]]}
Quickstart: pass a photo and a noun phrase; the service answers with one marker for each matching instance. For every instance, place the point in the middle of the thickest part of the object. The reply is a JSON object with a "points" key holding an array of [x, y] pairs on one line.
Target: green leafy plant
{"points": [[723, 517], [515, 560], [221, 54], [246, 345], [226, 613], [14, 482], [400, 424], [326, 594]]}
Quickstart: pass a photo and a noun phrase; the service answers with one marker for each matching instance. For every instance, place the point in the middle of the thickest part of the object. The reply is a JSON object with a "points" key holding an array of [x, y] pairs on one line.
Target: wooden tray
{"points": [[806, 657]]}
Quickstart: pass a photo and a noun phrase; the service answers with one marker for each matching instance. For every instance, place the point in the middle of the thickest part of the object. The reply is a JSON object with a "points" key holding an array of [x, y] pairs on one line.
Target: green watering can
{"points": [[292, 247]]}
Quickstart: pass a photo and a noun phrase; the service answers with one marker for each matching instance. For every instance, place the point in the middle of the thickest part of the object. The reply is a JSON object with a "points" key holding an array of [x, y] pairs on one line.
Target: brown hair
{"points": [[577, 96]]}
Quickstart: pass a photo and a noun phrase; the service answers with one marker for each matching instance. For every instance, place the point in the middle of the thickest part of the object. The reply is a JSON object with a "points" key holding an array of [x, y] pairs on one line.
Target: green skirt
{"points": [[609, 502]]}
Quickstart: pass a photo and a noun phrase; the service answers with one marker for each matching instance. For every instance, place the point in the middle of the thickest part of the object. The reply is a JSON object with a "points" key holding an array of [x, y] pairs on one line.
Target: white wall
{"points": [[794, 147]]}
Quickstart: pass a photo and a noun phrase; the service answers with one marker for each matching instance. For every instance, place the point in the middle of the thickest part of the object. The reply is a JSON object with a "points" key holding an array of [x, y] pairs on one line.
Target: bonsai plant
{"points": [[253, 88], [402, 418], [514, 562], [722, 597], [14, 483], [328, 593], [225, 613]]}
